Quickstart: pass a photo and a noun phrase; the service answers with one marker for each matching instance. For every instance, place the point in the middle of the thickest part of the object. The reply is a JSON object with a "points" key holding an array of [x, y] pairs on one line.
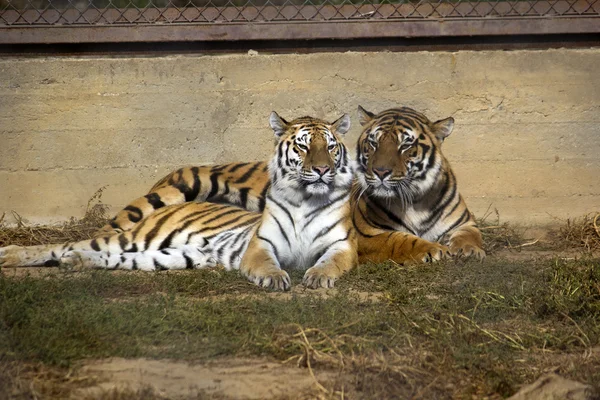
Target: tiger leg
{"points": [[399, 247], [466, 241], [186, 257], [260, 266], [50, 254], [333, 264], [141, 208]]}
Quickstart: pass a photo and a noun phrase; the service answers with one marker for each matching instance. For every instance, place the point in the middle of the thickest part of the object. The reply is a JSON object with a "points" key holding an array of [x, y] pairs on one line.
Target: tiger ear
{"points": [[443, 128], [278, 124], [342, 124], [364, 116]]}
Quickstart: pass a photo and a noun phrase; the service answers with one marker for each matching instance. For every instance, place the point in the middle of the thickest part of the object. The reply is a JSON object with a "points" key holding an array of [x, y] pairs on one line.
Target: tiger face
{"points": [[398, 152], [310, 155]]}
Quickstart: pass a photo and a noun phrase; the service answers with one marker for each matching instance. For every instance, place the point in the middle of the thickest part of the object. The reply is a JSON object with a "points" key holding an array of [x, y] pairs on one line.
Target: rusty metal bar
{"points": [[298, 30]]}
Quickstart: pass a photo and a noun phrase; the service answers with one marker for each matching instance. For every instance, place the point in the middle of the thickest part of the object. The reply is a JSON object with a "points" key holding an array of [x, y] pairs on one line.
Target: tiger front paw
{"points": [[276, 279], [462, 248], [317, 277], [428, 252]]}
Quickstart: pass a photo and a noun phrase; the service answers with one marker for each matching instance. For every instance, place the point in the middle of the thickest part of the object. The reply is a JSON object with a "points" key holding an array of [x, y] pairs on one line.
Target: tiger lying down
{"points": [[406, 205], [306, 223]]}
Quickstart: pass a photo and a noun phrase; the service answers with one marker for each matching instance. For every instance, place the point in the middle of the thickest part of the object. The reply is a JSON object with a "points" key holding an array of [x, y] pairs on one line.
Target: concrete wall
{"points": [[526, 139]]}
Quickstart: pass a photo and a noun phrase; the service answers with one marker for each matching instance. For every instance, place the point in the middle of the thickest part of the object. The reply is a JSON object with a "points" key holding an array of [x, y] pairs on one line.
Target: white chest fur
{"points": [[301, 232]]}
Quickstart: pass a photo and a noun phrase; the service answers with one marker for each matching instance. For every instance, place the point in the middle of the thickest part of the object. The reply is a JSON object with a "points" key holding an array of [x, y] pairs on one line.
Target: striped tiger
{"points": [[306, 222], [390, 224], [406, 184]]}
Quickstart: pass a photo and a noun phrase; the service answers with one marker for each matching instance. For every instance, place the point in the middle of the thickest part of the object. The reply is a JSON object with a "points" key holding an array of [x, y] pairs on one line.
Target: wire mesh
{"points": [[15, 13]]}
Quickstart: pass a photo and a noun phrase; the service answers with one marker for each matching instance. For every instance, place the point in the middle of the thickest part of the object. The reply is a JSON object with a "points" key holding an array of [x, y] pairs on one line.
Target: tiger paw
{"points": [[428, 252], [317, 277], [10, 256], [276, 279], [460, 248], [72, 260]]}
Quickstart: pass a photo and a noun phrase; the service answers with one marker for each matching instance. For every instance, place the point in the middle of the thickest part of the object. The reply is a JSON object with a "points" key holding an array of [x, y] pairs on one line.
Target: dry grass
{"points": [[28, 380], [23, 234], [499, 235], [580, 233]]}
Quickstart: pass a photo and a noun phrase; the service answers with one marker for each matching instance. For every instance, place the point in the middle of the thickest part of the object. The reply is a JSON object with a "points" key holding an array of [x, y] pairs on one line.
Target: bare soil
{"points": [[235, 378]]}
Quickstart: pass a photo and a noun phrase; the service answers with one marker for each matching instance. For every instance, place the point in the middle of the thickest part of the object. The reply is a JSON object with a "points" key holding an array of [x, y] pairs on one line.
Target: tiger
{"points": [[305, 221], [407, 185], [412, 223]]}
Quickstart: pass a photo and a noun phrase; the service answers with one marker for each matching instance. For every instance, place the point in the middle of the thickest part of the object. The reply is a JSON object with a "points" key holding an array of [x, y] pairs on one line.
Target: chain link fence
{"points": [[291, 19]]}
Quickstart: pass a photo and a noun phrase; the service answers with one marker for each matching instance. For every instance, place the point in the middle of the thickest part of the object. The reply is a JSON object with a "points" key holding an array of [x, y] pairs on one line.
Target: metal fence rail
{"points": [[56, 21]]}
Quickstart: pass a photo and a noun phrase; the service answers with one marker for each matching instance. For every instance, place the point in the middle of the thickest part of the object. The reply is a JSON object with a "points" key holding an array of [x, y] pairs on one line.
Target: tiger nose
{"points": [[321, 169], [382, 172]]}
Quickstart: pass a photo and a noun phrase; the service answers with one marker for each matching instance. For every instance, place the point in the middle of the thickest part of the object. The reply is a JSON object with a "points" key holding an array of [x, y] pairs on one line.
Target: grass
{"points": [[454, 329], [458, 329]]}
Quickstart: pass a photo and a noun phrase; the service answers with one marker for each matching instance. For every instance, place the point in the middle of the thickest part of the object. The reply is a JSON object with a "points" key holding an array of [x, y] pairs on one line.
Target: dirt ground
{"points": [[235, 378]]}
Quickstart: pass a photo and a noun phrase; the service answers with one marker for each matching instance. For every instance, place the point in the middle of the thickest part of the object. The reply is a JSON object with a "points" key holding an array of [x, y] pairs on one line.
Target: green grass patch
{"points": [[481, 329]]}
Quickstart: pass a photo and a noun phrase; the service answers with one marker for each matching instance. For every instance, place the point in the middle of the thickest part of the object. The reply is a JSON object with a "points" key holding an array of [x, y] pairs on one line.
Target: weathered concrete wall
{"points": [[526, 140]]}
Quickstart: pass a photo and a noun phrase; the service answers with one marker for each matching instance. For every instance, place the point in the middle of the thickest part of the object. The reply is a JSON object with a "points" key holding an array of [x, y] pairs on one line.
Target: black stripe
{"points": [[456, 223], [224, 244], [342, 239], [356, 225], [193, 193], [167, 242], [315, 213], [269, 197], [395, 219], [113, 224], [189, 220], [280, 155], [189, 263], [134, 265], [198, 214], [216, 217], [236, 252], [219, 168], [214, 182], [158, 266], [441, 206], [231, 221], [244, 197], [237, 166], [263, 194], [135, 214], [165, 252], [285, 236], [328, 229], [154, 200], [248, 174], [226, 191], [157, 226], [271, 243], [123, 241], [132, 249], [94, 245]]}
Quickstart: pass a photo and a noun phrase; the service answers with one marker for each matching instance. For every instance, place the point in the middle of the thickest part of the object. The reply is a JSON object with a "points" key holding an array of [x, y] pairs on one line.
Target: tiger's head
{"points": [[310, 156], [398, 153]]}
